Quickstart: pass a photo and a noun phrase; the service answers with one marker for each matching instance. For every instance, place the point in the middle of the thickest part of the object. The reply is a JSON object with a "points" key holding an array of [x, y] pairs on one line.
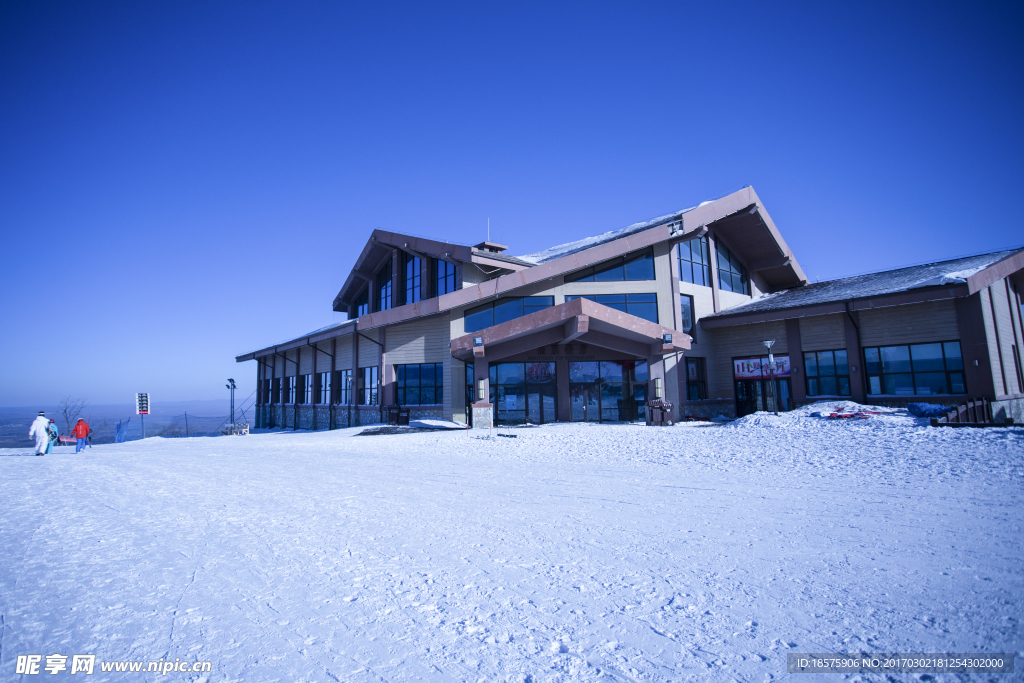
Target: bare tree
{"points": [[70, 408]]}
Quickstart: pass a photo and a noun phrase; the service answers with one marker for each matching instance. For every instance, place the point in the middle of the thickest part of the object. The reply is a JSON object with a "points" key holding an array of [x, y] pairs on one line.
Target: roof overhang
{"points": [[1012, 267], [380, 247], [581, 321], [915, 296], [312, 339], [742, 223]]}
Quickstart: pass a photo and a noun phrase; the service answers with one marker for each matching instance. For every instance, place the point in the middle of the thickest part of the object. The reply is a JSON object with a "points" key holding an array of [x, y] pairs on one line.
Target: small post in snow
{"points": [[231, 385]]}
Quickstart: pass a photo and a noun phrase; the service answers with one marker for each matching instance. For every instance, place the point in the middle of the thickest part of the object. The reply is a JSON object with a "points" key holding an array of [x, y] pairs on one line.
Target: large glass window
{"points": [[607, 391], [368, 386], [827, 373], [288, 394], [523, 392], [694, 263], [503, 310], [413, 276], [323, 388], [696, 379], [732, 276], [686, 307], [275, 390], [384, 300], [917, 369], [630, 267], [362, 303], [304, 393], [444, 276], [420, 384], [343, 391], [641, 305]]}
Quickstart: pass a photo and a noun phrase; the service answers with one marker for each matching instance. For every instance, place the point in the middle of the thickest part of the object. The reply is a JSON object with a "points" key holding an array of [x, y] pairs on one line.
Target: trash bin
{"points": [[392, 412], [403, 416], [659, 413]]}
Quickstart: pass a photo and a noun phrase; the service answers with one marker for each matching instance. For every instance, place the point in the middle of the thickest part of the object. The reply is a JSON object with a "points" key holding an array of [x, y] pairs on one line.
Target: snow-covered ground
{"points": [[571, 552]]}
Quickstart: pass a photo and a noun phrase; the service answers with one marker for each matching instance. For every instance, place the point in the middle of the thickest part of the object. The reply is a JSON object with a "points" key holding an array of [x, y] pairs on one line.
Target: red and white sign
{"points": [[142, 404], [757, 368]]}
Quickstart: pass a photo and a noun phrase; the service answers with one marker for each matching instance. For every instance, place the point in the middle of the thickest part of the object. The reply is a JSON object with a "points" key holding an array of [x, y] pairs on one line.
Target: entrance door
{"points": [[540, 403], [585, 406], [749, 396]]}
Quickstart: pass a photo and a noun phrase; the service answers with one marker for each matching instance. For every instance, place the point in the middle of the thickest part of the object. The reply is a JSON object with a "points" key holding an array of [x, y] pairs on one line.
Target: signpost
{"points": [[142, 409], [771, 369]]}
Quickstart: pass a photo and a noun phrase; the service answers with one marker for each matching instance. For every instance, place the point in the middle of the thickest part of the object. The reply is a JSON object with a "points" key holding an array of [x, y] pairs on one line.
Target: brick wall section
{"points": [[822, 333], [932, 321], [737, 342]]}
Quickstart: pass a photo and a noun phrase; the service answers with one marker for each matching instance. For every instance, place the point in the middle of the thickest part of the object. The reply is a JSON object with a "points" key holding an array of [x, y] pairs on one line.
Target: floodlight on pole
{"points": [[771, 373], [231, 385]]}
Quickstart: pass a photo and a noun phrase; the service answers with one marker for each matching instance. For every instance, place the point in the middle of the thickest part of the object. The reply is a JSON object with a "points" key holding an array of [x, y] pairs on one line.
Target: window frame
{"points": [[590, 274], [688, 265], [509, 301], [341, 391], [383, 289], [701, 382], [881, 375], [816, 376], [369, 386], [445, 280], [362, 303], [402, 384], [596, 299], [412, 290], [734, 268], [687, 325]]}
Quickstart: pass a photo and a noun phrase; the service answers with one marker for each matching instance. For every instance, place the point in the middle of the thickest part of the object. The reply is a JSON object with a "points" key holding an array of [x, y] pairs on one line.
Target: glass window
{"points": [[694, 264], [732, 276], [362, 303], [696, 379], [368, 380], [504, 310], [507, 309], [305, 389], [686, 306], [275, 390], [413, 275], [630, 267], [384, 288], [420, 384], [915, 369], [827, 373], [323, 394], [288, 390], [641, 305], [444, 280], [344, 390]]}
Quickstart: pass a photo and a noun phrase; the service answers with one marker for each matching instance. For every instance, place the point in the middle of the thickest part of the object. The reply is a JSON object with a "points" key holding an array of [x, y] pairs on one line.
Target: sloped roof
{"points": [[552, 253], [955, 271], [321, 334]]}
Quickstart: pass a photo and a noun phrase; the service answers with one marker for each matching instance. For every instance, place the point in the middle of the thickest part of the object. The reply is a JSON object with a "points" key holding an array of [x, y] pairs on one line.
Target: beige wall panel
{"points": [[305, 360], [823, 332], [323, 357], [369, 353], [726, 343], [730, 299], [1005, 325], [343, 354], [703, 302], [931, 321], [420, 341]]}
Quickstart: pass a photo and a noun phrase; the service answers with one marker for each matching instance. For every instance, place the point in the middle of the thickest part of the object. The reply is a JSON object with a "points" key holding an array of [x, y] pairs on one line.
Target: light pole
{"points": [[771, 372], [231, 385]]}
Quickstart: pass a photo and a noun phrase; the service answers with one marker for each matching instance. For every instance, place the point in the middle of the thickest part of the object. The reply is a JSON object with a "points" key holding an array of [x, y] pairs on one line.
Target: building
{"points": [[677, 308]]}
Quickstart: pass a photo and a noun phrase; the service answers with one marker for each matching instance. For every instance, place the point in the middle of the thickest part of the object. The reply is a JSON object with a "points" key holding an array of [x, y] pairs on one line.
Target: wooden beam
{"points": [[576, 327]]}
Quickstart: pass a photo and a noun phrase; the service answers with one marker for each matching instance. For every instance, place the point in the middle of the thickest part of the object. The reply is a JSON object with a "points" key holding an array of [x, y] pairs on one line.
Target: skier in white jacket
{"points": [[42, 436]]}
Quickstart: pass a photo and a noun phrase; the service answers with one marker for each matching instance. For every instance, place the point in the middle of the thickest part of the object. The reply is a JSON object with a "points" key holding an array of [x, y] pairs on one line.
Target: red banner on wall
{"points": [[757, 368]]}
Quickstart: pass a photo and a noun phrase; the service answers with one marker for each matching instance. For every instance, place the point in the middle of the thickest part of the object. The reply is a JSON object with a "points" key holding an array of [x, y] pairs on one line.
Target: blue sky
{"points": [[183, 182]]}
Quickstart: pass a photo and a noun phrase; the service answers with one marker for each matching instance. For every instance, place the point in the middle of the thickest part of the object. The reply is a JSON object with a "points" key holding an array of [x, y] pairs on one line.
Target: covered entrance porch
{"points": [[576, 362]]}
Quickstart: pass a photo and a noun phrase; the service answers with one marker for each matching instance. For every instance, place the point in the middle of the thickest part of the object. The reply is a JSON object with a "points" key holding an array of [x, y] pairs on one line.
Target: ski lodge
{"points": [[676, 309]]}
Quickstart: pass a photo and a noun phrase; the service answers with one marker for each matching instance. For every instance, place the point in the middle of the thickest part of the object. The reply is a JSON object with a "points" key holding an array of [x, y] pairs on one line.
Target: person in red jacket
{"points": [[80, 432]]}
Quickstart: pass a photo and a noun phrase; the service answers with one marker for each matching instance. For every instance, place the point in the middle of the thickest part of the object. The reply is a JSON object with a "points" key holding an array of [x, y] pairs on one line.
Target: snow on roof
{"points": [[579, 245], [872, 284], [314, 333]]}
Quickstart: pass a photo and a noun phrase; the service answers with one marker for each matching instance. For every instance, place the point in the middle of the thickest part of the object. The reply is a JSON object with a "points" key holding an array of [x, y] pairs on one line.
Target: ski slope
{"points": [[568, 553]]}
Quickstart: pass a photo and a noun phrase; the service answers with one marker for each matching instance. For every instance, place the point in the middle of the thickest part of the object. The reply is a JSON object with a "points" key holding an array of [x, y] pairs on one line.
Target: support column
{"points": [[563, 402], [713, 270], [854, 356], [796, 362]]}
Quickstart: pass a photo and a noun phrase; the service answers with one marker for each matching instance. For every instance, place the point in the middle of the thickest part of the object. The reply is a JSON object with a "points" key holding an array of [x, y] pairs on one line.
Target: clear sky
{"points": [[183, 182]]}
